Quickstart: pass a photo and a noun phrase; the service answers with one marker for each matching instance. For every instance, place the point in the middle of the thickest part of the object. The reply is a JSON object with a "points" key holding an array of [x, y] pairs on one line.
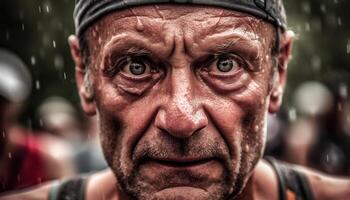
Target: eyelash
{"points": [[115, 65]]}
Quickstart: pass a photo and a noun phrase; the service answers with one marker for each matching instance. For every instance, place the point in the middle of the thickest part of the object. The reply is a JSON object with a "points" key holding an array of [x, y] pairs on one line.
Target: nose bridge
{"points": [[181, 115]]}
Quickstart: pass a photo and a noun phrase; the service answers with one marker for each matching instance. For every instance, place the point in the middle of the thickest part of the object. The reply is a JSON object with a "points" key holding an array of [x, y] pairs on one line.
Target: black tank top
{"points": [[293, 185]]}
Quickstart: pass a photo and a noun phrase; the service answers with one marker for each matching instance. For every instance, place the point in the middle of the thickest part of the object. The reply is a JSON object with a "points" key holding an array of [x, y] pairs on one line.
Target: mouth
{"points": [[181, 163]]}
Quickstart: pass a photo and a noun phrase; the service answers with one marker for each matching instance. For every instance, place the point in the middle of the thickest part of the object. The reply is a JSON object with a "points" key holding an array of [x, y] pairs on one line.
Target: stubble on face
{"points": [[140, 121]]}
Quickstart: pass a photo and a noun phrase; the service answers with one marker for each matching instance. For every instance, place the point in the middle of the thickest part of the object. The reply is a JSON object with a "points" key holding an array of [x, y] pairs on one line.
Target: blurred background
{"points": [[45, 118]]}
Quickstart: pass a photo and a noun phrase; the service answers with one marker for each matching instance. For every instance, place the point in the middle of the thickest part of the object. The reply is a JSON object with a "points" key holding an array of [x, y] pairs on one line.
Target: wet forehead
{"points": [[196, 25]]}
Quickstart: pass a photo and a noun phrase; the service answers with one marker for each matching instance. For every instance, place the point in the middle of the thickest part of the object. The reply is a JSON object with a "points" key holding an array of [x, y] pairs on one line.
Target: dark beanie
{"points": [[86, 12]]}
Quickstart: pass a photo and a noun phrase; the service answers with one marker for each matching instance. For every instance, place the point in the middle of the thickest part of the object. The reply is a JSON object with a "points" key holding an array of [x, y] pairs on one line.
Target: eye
{"points": [[226, 64], [136, 67]]}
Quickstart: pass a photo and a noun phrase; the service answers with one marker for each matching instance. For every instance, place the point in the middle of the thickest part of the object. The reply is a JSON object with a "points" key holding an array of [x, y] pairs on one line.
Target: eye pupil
{"points": [[137, 68], [225, 65]]}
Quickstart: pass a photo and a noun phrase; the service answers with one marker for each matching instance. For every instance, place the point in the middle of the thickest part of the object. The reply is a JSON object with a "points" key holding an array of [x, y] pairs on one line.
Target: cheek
{"points": [[124, 119]]}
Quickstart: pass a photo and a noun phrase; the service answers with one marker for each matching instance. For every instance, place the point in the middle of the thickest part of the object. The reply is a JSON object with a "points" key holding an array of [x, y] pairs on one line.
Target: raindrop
{"points": [[339, 21], [47, 9], [305, 6], [10, 155], [33, 60], [64, 75], [292, 114], [340, 107], [22, 27], [307, 27], [343, 90], [37, 84], [58, 62], [323, 8], [54, 43], [7, 35], [39, 8], [348, 47], [3, 134], [327, 158], [41, 123], [316, 62], [256, 128], [246, 148]]}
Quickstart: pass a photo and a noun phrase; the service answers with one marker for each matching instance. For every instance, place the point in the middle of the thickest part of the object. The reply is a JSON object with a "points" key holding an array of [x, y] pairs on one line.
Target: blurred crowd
{"points": [[64, 144], [313, 131]]}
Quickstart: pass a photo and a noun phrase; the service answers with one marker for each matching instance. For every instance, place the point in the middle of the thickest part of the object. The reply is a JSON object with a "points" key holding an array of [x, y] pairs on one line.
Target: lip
{"points": [[181, 163]]}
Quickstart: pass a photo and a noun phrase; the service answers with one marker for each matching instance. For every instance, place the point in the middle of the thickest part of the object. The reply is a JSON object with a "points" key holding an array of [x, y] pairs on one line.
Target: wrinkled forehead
{"points": [[198, 22]]}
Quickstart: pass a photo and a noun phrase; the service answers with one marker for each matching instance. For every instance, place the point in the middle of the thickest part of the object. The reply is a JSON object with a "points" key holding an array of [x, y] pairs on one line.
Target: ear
{"points": [[280, 74], [81, 77]]}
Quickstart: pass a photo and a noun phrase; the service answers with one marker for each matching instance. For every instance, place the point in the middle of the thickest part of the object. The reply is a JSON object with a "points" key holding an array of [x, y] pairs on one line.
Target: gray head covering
{"points": [[86, 12], [15, 79]]}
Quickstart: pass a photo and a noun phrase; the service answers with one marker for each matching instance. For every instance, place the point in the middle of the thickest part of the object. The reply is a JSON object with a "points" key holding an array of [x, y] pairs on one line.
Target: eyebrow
{"points": [[243, 47]]}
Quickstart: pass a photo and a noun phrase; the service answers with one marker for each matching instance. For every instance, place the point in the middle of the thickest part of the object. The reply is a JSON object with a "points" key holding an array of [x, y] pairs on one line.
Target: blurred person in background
{"points": [[59, 117], [25, 158], [181, 92], [318, 138]]}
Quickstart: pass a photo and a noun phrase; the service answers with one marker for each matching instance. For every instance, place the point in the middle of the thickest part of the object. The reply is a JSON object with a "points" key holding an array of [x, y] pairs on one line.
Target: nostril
{"points": [[180, 126]]}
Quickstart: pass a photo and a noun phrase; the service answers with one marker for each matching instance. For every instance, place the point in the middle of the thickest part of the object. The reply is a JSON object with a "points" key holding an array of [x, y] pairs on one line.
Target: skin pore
{"points": [[182, 94]]}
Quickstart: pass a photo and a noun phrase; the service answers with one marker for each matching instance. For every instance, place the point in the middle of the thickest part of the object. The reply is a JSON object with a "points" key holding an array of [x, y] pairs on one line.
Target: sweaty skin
{"points": [[183, 128], [181, 93]]}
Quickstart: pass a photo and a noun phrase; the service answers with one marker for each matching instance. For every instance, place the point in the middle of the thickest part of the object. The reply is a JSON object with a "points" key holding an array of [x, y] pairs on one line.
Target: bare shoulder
{"points": [[104, 185], [326, 187], [36, 193]]}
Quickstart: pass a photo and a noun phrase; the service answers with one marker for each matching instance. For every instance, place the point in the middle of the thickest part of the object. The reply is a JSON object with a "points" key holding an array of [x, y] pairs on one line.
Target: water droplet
{"points": [[37, 84], [305, 7], [139, 26], [47, 9], [339, 21], [10, 155], [22, 27], [323, 8], [39, 8], [343, 90], [348, 47], [54, 43], [3, 134], [340, 106], [64, 75], [246, 148], [58, 62], [307, 27], [292, 114], [7, 35], [256, 128], [33, 60]]}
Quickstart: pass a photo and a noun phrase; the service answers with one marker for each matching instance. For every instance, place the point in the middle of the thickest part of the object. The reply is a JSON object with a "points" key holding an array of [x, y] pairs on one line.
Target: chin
{"points": [[183, 193]]}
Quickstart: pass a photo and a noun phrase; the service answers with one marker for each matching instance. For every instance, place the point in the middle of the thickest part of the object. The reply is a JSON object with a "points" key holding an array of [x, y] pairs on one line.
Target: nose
{"points": [[181, 114]]}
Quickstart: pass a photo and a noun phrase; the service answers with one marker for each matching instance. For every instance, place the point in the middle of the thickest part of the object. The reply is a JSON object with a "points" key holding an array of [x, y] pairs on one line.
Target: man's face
{"points": [[182, 94]]}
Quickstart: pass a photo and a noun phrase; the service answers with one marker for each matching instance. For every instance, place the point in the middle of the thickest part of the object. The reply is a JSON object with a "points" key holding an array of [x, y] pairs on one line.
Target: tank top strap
{"points": [[292, 184], [72, 189]]}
